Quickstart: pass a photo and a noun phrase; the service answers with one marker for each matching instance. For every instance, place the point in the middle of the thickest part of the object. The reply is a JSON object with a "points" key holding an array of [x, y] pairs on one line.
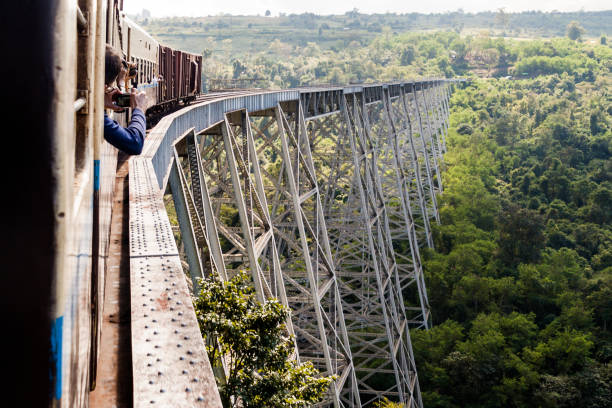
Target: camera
{"points": [[122, 99]]}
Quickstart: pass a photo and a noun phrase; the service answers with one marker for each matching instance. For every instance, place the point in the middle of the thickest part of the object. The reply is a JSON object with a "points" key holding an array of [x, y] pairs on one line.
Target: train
{"points": [[56, 228], [168, 76]]}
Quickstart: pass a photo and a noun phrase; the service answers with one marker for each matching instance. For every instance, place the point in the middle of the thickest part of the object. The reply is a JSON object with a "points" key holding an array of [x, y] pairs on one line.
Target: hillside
{"points": [[306, 49], [231, 36]]}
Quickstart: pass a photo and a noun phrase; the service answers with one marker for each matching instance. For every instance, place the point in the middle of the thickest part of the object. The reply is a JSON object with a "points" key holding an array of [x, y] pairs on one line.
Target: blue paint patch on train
{"points": [[144, 86], [96, 175], [57, 330]]}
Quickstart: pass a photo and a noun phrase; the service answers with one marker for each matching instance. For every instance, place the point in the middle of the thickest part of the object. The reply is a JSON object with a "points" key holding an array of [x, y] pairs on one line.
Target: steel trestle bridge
{"points": [[325, 195]]}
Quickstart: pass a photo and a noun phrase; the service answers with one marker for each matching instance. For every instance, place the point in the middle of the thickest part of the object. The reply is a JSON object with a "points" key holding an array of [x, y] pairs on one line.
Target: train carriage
{"points": [[59, 232], [180, 77]]}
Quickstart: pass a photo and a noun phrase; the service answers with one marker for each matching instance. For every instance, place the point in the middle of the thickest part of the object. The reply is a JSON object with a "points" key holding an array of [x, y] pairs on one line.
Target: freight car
{"points": [[57, 215], [168, 76]]}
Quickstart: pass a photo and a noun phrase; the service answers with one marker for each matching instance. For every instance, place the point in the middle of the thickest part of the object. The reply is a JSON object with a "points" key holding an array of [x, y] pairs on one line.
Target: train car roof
{"points": [[135, 26]]}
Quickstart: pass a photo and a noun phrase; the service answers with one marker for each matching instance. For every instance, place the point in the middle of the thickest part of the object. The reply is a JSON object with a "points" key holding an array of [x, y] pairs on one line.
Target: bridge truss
{"points": [[325, 195]]}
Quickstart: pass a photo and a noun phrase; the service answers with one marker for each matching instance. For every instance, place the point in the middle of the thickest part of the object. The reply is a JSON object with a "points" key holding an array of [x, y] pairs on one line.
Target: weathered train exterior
{"points": [[56, 232], [184, 72], [168, 76]]}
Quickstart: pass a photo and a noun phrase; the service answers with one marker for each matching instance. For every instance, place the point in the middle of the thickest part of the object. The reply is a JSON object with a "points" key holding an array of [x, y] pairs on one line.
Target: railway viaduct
{"points": [[325, 195]]}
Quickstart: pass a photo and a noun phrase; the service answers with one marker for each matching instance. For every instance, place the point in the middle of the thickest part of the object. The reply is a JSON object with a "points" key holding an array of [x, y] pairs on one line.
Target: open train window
{"points": [[135, 79], [192, 77], [129, 44]]}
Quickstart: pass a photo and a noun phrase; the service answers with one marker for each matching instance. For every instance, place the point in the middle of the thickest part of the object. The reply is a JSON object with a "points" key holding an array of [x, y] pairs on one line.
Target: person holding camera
{"points": [[130, 139]]}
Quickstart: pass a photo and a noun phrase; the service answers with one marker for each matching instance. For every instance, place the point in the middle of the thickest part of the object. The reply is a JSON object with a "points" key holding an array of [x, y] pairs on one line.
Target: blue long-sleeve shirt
{"points": [[130, 139]]}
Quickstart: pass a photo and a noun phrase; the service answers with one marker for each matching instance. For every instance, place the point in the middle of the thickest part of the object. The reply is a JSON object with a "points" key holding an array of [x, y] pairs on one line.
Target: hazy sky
{"points": [[159, 8]]}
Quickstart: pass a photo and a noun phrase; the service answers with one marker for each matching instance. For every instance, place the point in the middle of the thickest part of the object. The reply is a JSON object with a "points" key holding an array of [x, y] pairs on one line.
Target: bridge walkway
{"points": [[114, 378]]}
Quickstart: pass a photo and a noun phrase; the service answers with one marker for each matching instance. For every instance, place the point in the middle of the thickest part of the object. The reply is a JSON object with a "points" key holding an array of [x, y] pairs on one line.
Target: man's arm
{"points": [[129, 140]]}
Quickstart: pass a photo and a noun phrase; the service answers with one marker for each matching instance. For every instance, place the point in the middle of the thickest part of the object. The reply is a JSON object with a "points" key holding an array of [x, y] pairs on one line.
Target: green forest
{"points": [[520, 281]]}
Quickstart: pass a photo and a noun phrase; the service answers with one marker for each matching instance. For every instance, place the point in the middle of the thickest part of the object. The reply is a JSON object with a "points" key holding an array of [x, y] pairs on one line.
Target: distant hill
{"points": [[239, 35]]}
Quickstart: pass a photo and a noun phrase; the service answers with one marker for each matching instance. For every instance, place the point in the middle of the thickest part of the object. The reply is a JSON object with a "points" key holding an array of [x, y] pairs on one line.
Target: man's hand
{"points": [[138, 100], [109, 93]]}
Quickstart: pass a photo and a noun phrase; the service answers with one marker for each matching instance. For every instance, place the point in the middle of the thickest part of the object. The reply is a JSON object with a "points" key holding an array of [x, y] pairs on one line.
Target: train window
{"points": [[135, 81], [80, 145], [193, 79]]}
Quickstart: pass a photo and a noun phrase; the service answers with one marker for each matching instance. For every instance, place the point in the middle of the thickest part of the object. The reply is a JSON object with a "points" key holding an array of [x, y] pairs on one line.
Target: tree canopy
{"points": [[521, 280], [251, 339], [575, 31]]}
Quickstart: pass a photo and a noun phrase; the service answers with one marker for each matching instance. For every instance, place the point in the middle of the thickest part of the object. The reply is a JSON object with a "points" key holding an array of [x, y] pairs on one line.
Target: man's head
{"points": [[114, 63]]}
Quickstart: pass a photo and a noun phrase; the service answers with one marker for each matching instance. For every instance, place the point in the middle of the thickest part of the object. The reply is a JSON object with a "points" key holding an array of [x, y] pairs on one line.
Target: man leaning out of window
{"points": [[130, 139]]}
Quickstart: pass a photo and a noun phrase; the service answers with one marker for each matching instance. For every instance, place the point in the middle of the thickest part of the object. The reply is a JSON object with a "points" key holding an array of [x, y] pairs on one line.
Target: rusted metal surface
{"points": [[170, 364], [181, 74]]}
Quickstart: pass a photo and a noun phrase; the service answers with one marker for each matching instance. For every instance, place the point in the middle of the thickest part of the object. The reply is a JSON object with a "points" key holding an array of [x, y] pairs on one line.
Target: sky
{"points": [[198, 8]]}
